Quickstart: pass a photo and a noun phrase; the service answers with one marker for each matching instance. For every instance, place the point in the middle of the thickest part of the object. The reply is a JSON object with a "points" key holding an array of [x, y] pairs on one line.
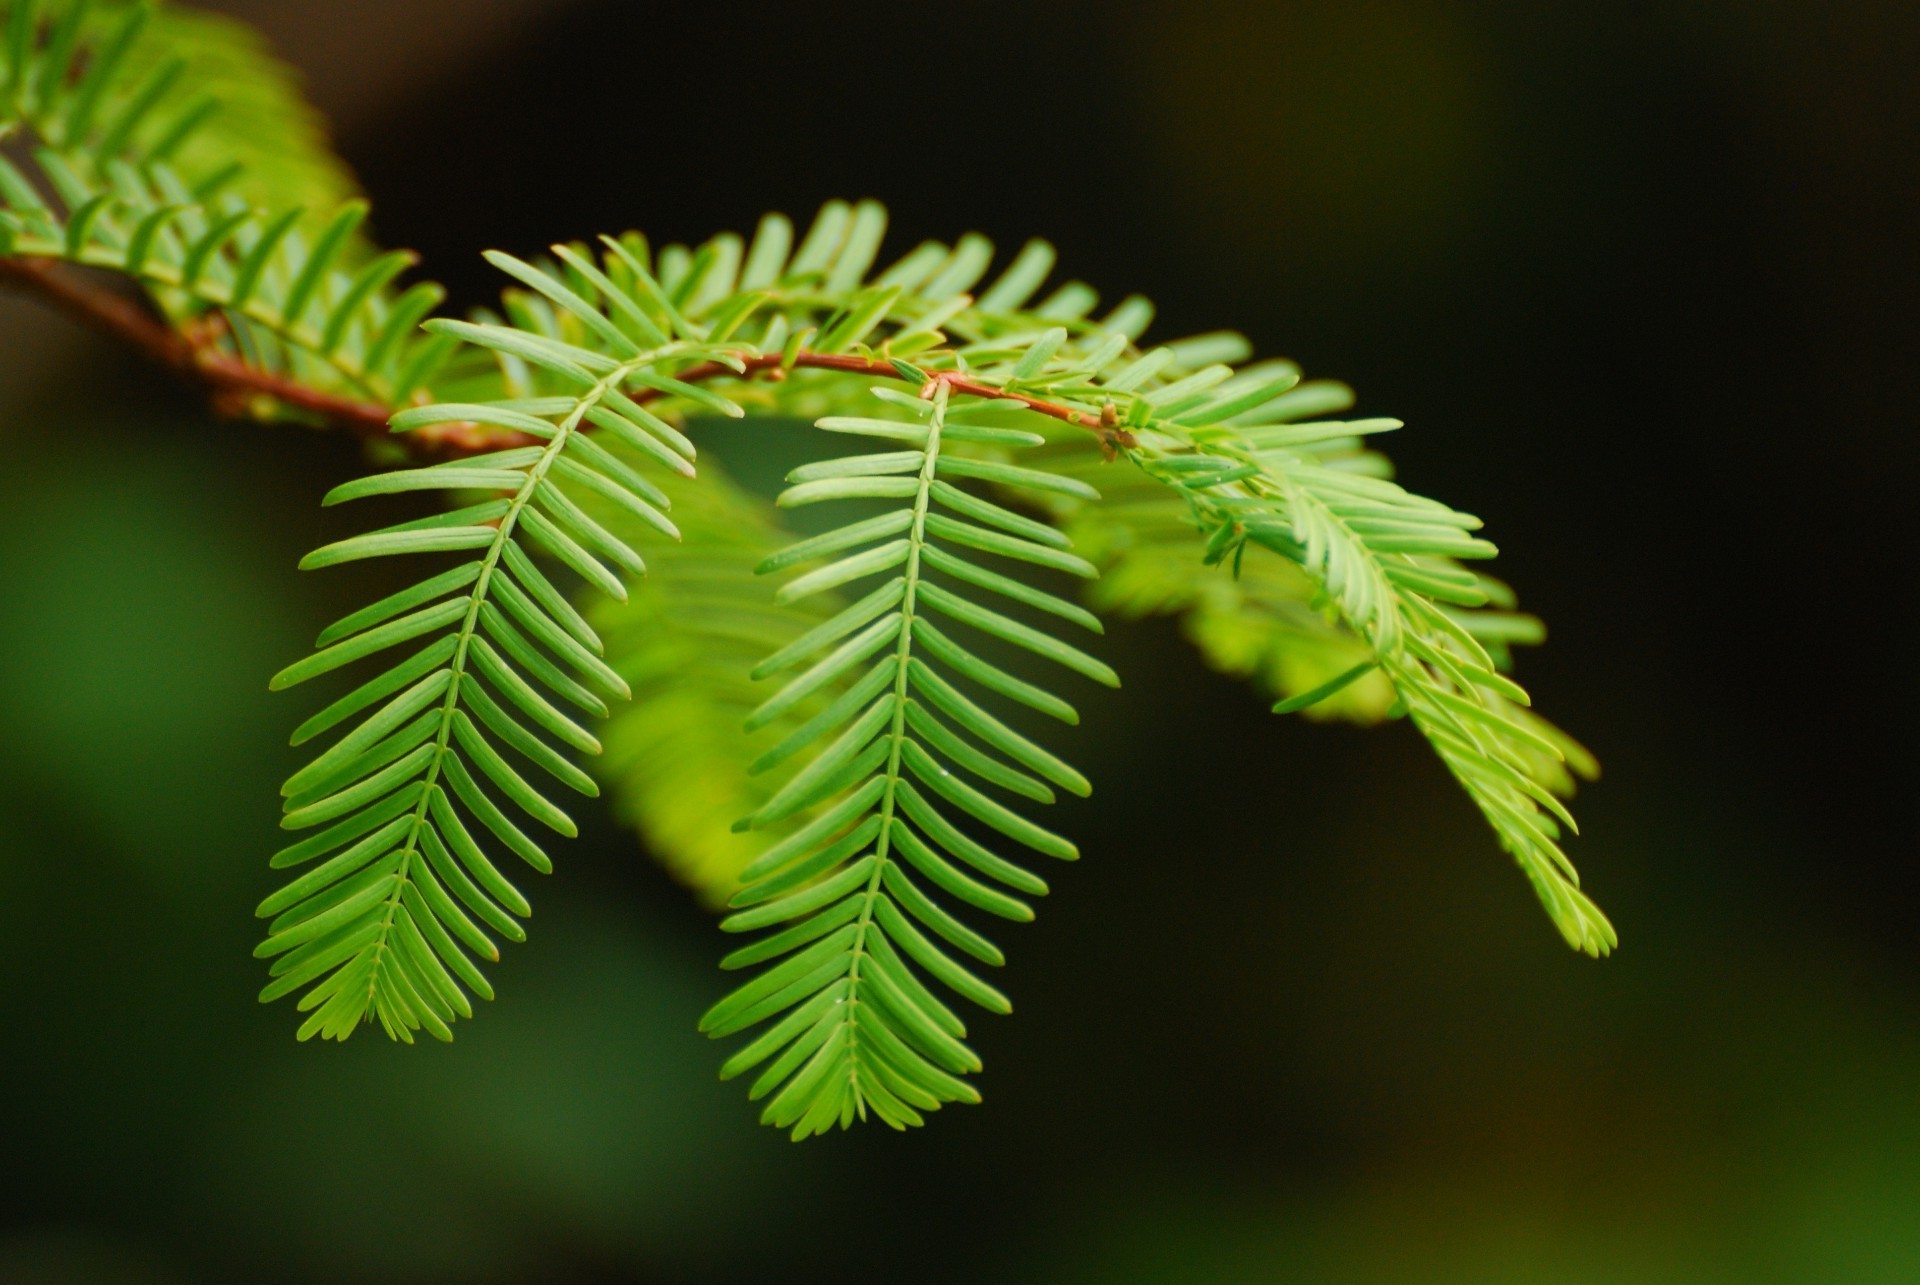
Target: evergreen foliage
{"points": [[1013, 439], [845, 898]]}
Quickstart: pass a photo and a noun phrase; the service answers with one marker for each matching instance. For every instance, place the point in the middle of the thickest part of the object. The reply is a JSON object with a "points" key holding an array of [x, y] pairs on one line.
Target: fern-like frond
{"points": [[852, 1023], [262, 120], [376, 928], [168, 146], [283, 304], [1389, 561], [1253, 617], [1386, 563], [139, 82]]}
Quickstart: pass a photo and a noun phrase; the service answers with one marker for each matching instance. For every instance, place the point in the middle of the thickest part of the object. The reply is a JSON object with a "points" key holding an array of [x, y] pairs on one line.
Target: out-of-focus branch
{"points": [[231, 382]]}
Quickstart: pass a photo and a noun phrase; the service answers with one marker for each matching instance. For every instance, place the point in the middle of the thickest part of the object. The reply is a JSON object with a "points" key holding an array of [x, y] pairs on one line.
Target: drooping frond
{"points": [[1253, 617], [1386, 564], [1336, 618], [376, 928], [850, 1022], [1389, 562]]}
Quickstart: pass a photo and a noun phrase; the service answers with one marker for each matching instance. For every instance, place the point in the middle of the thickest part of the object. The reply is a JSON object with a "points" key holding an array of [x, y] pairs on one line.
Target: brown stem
{"points": [[103, 311], [887, 370], [234, 384]]}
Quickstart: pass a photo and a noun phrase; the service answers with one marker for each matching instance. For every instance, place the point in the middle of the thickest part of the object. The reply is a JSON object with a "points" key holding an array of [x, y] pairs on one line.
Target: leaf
{"points": [[841, 879], [375, 928]]}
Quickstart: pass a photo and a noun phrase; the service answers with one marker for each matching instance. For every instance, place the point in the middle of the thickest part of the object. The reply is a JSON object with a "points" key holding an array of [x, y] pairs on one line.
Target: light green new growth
{"points": [[1008, 441]]}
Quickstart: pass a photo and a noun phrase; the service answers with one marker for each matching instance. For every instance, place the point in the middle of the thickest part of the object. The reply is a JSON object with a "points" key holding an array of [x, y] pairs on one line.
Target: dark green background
{"points": [[1639, 277]]}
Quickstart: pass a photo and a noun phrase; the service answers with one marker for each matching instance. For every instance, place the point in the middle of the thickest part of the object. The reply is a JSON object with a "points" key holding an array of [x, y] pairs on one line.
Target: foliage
{"points": [[373, 921], [1255, 618], [1020, 439], [137, 82], [168, 147], [845, 898]]}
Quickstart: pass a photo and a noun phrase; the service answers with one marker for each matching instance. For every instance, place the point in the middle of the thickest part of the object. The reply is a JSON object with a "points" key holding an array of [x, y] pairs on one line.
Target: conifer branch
{"points": [[876, 776]]}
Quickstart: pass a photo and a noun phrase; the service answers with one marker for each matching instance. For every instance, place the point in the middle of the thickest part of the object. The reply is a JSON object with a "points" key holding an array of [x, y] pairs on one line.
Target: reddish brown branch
{"points": [[234, 385], [109, 312], [1103, 426], [231, 382], [887, 370]]}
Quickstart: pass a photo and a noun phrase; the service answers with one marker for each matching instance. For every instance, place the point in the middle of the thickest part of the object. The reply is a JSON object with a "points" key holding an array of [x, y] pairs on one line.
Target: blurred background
{"points": [[1640, 278]]}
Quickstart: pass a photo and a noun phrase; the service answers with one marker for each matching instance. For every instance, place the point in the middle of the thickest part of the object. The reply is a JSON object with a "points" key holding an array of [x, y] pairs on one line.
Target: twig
{"points": [[235, 386], [232, 382], [887, 370]]}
